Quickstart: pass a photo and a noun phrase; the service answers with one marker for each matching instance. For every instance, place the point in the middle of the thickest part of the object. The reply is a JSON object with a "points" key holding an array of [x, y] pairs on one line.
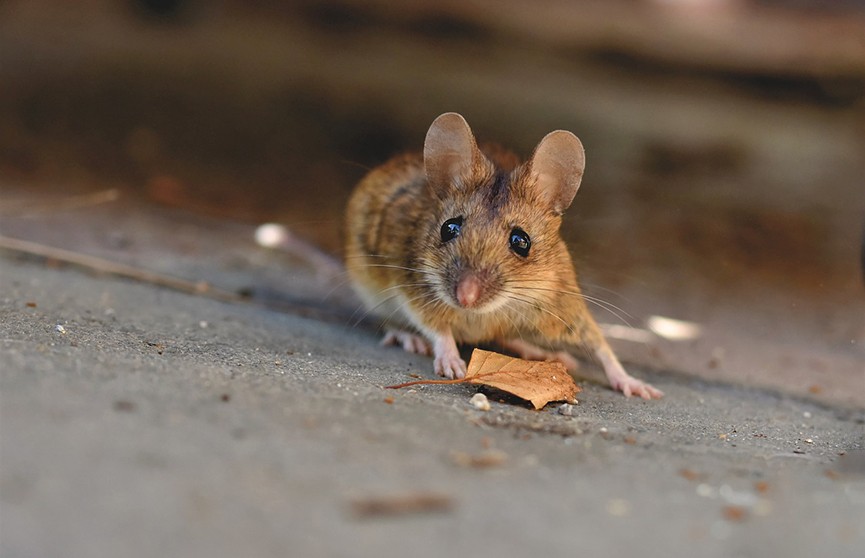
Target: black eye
{"points": [[520, 242], [451, 228]]}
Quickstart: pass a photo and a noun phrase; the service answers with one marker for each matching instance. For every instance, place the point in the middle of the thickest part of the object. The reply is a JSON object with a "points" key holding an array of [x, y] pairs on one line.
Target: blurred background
{"points": [[725, 182]]}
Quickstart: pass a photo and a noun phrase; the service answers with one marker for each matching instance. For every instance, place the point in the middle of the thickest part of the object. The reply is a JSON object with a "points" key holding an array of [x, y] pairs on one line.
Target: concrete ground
{"points": [[140, 421], [137, 420]]}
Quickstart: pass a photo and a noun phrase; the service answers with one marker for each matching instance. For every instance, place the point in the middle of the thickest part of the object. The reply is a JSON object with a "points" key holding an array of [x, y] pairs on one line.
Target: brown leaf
{"points": [[535, 381], [538, 382]]}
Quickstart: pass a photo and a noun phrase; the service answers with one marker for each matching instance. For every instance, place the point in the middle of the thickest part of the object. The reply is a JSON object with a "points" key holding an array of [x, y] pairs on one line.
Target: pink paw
{"points": [[410, 342], [632, 386], [621, 380], [450, 365]]}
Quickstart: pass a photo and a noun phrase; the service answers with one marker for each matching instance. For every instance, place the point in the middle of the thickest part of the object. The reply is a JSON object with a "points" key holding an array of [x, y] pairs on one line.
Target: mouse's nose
{"points": [[469, 290]]}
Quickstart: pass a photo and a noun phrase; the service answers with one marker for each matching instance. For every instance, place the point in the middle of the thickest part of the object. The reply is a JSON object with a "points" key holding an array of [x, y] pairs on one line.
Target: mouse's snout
{"points": [[469, 290], [476, 288]]}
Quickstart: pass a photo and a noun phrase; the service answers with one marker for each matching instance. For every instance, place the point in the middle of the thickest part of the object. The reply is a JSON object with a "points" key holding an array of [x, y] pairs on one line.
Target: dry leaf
{"points": [[536, 381]]}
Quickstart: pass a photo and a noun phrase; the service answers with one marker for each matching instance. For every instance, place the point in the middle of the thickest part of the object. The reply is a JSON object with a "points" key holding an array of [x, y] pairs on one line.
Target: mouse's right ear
{"points": [[558, 164], [449, 151]]}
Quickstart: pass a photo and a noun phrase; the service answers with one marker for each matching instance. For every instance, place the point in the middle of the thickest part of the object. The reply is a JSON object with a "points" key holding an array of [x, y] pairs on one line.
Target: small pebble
{"points": [[566, 409], [479, 401], [270, 235], [618, 507], [60, 329]]}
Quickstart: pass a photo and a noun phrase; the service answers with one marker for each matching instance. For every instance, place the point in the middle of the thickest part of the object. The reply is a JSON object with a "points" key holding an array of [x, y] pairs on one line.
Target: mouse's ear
{"points": [[557, 165], [449, 150]]}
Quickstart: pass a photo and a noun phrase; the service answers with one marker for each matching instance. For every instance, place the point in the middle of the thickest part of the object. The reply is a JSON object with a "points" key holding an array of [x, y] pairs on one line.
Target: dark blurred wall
{"points": [[726, 137]]}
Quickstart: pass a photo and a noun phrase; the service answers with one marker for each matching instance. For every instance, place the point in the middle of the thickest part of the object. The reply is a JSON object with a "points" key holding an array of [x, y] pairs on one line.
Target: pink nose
{"points": [[469, 290]]}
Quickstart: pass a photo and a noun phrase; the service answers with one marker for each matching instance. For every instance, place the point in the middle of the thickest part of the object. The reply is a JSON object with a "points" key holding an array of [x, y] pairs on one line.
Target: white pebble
{"points": [[763, 507], [60, 329], [479, 401], [270, 235], [566, 409], [706, 490], [618, 507]]}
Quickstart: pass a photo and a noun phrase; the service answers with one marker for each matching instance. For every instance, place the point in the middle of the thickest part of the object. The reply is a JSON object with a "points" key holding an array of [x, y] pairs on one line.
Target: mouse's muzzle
{"points": [[474, 290]]}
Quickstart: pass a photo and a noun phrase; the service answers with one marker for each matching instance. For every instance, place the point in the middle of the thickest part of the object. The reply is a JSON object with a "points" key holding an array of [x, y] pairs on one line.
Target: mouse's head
{"points": [[494, 228]]}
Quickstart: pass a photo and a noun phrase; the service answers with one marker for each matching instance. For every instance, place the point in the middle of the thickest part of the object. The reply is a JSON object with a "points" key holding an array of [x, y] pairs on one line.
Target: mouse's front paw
{"points": [[410, 342], [451, 366]]}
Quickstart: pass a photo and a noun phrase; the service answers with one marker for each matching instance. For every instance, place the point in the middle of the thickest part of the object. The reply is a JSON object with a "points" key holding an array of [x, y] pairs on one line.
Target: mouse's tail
{"points": [[324, 265]]}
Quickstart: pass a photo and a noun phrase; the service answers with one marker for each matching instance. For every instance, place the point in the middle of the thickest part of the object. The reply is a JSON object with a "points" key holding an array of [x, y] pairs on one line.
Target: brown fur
{"points": [[406, 274], [393, 223]]}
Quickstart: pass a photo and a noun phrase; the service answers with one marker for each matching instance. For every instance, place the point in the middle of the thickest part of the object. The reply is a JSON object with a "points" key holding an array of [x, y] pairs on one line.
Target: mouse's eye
{"points": [[520, 242], [451, 228]]}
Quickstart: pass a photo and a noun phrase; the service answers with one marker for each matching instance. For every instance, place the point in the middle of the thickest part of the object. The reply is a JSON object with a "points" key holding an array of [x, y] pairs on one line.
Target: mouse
{"points": [[460, 244]]}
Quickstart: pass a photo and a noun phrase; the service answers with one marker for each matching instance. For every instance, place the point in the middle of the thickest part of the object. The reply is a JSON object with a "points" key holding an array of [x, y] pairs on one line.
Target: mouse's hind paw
{"points": [[632, 386]]}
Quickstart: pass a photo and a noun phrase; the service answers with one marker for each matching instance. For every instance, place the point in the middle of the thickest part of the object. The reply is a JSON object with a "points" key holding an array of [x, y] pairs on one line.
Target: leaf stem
{"points": [[423, 382]]}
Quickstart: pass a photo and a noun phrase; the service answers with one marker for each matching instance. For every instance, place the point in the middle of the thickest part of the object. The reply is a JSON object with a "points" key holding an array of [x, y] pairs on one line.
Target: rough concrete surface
{"points": [[140, 421], [722, 190]]}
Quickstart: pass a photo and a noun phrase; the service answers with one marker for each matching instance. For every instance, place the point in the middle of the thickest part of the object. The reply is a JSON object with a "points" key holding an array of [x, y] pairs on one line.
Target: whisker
{"points": [[535, 304], [595, 286], [391, 288], [425, 271], [601, 303], [368, 311], [337, 287], [517, 329], [409, 301]]}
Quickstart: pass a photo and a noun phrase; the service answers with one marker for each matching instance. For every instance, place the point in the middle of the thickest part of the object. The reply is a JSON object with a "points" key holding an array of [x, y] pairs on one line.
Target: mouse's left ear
{"points": [[557, 165], [449, 151]]}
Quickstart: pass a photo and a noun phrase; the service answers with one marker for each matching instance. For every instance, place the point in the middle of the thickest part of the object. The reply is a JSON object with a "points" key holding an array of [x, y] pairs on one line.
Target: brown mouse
{"points": [[461, 244]]}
